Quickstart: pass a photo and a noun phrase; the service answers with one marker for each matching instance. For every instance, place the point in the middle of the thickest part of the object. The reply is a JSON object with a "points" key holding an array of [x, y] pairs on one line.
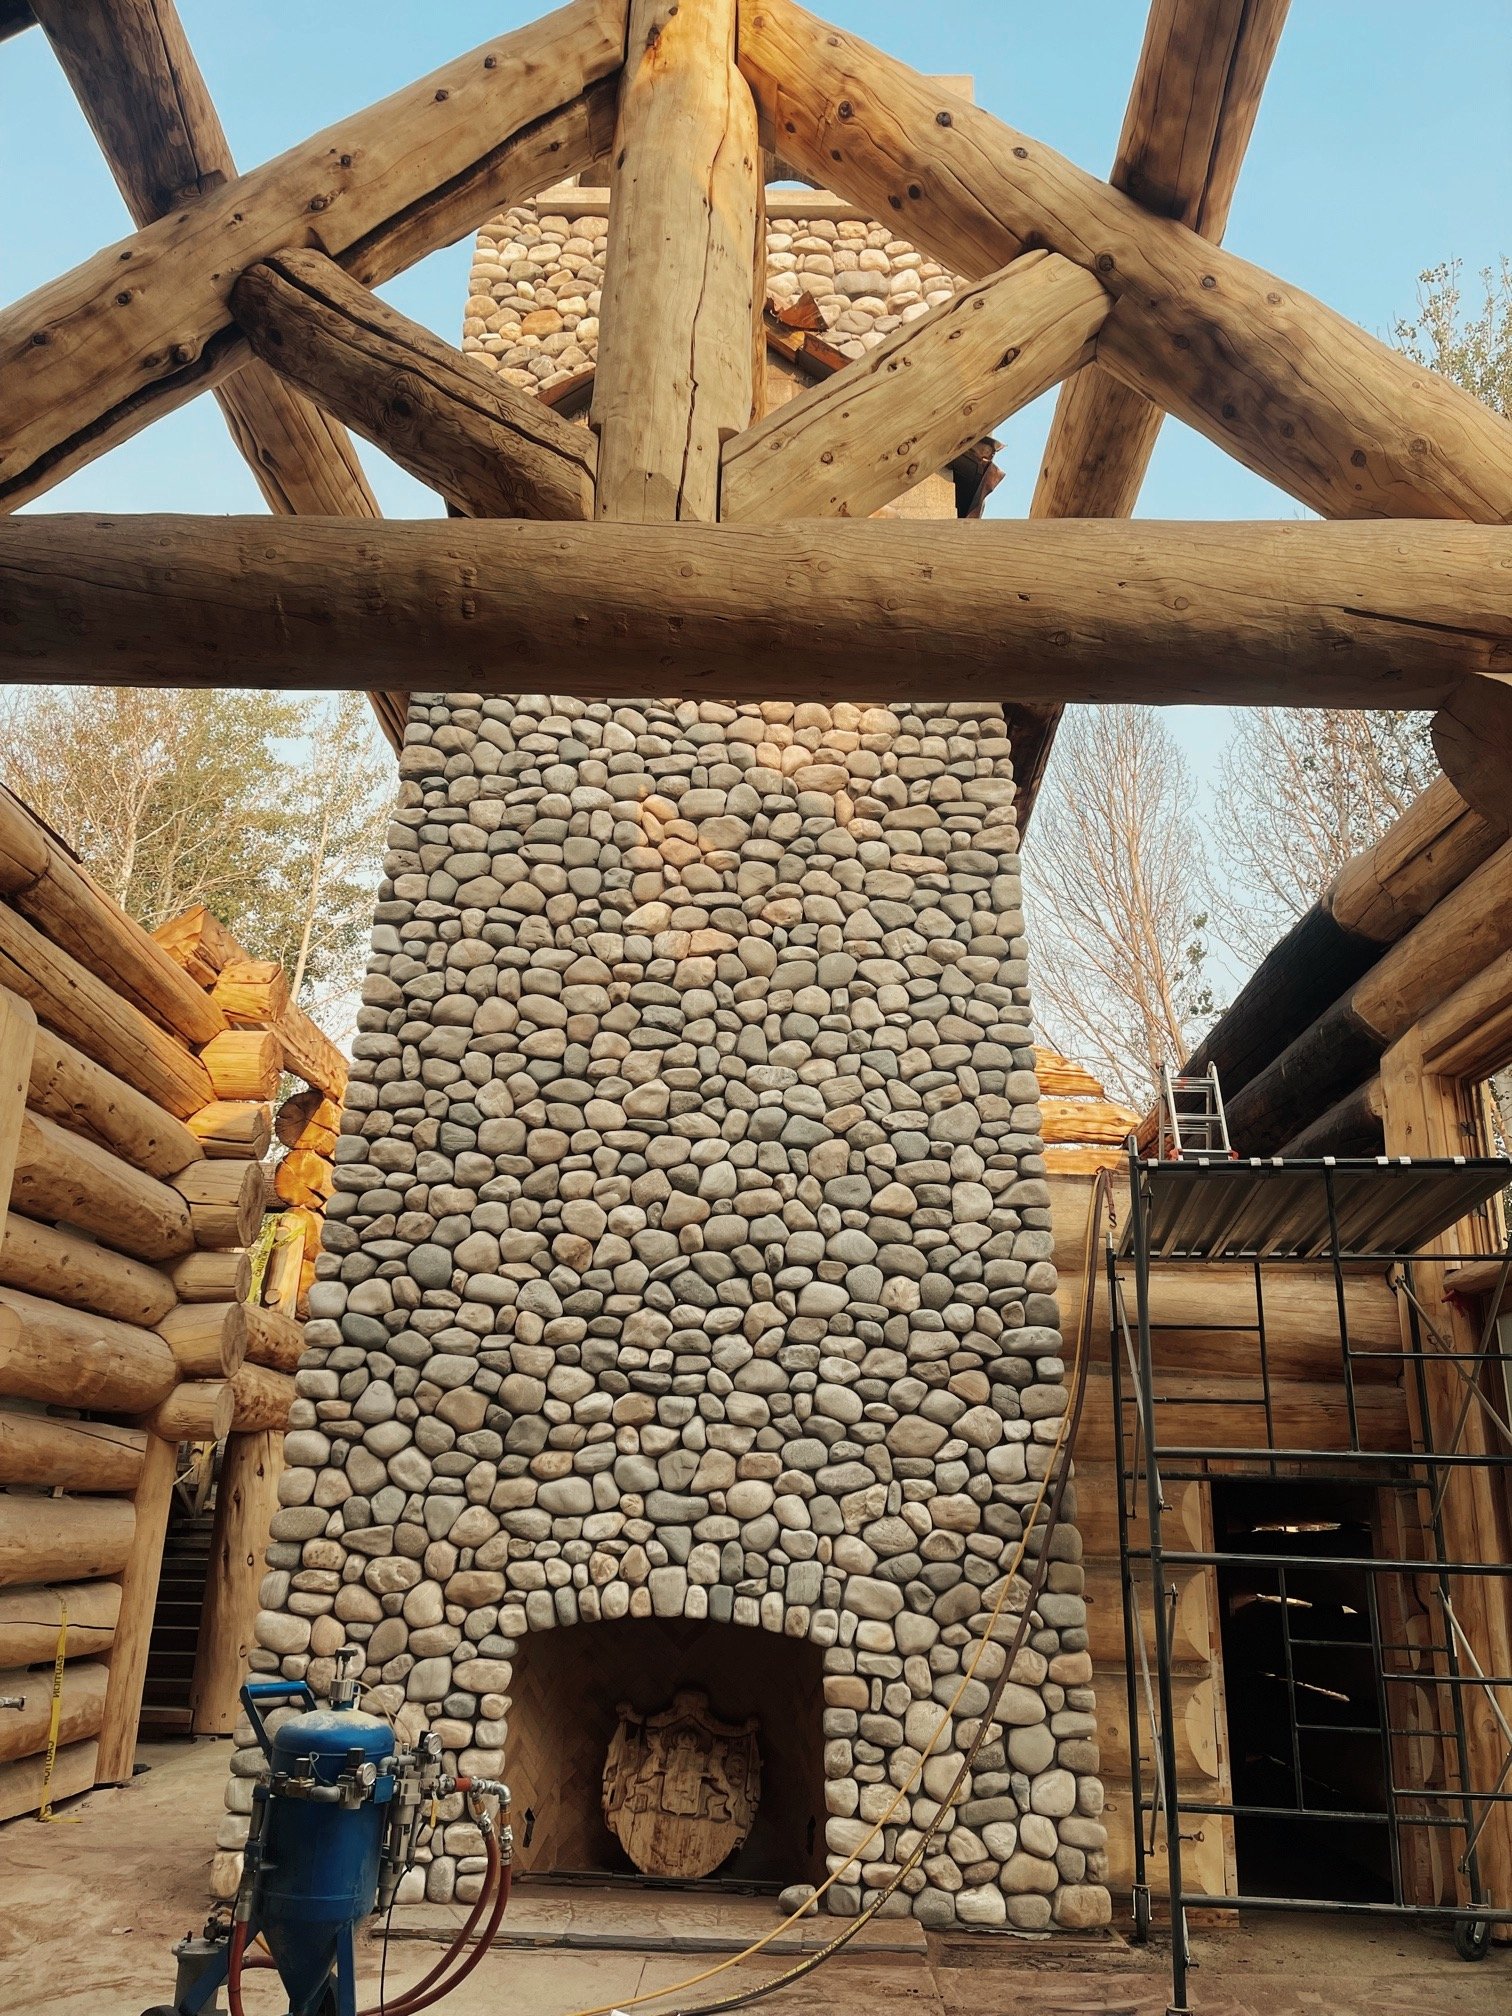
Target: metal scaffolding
{"points": [[1349, 1215]]}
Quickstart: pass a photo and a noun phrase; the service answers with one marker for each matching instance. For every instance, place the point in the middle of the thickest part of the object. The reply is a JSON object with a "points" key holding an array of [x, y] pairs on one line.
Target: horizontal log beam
{"points": [[1293, 390], [928, 392], [43, 1260], [491, 451], [63, 899], [146, 324], [1235, 614], [1191, 111]]}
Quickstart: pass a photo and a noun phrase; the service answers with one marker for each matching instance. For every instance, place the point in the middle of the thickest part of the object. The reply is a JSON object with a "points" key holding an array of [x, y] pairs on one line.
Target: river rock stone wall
{"points": [[690, 1257]]}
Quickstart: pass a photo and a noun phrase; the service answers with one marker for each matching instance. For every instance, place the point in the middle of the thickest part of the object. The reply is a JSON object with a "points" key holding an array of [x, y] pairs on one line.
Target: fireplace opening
{"points": [[564, 1713]]}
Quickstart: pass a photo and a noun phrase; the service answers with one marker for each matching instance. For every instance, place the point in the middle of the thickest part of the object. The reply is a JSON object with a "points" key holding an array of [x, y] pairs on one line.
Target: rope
{"points": [[54, 1725], [1057, 1471]]}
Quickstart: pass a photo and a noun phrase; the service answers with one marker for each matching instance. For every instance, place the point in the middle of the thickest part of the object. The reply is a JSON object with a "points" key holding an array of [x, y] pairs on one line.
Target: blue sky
{"points": [[1383, 146]]}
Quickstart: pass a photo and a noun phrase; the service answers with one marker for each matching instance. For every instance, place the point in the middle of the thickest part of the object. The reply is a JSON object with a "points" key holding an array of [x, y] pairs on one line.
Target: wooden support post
{"points": [[386, 186], [126, 1661], [18, 1036], [1423, 1117], [490, 450], [673, 377], [246, 1499], [927, 392]]}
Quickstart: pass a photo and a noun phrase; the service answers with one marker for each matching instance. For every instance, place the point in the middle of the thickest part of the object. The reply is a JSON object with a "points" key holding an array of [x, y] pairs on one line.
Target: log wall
{"points": [[130, 1189]]}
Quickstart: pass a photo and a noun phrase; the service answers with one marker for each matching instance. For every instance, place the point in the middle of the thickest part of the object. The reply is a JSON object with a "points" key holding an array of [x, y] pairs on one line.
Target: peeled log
{"points": [[46, 1261], [53, 1539], [23, 1731], [262, 1399], [212, 1277], [88, 1013], [225, 1200], [66, 902], [21, 1782], [273, 1339], [68, 1455], [30, 1620], [197, 1410], [244, 1064], [63, 1177], [238, 1130], [69, 1358], [208, 1339], [77, 1093]]}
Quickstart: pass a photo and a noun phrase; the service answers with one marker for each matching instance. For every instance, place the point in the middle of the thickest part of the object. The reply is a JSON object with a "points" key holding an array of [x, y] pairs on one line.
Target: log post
{"points": [[673, 376], [246, 1499], [126, 1662], [18, 1036]]}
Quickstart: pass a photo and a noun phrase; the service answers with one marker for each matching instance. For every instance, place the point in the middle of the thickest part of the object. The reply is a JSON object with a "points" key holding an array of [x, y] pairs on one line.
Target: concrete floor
{"points": [[90, 1907]]}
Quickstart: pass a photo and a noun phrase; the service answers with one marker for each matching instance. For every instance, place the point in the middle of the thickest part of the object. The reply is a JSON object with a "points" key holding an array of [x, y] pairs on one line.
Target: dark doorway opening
{"points": [[1304, 1700]]}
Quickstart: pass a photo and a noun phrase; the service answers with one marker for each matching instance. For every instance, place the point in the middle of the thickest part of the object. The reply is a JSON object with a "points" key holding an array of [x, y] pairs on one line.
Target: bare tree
{"points": [[1116, 883]]}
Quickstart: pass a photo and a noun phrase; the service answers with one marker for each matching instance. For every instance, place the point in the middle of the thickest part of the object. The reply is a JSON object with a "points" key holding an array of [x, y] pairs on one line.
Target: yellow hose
{"points": [[1101, 1193]]}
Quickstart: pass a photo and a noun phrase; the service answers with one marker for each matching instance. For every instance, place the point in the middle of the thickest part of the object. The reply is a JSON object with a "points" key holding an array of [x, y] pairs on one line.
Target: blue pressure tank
{"points": [[317, 1876]]}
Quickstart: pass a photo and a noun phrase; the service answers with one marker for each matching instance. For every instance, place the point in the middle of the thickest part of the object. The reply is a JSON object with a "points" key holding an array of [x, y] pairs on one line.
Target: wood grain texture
{"points": [[488, 449], [927, 392], [1290, 388], [144, 325], [673, 377]]}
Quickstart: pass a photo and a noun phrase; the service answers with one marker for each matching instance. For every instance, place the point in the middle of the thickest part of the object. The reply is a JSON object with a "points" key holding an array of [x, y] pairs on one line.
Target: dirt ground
{"points": [[90, 1907]]}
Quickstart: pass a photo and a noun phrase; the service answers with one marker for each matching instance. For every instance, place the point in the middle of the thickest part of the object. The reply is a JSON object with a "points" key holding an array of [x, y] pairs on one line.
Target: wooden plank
{"points": [[488, 449], [246, 1499], [18, 1036], [1230, 613], [146, 324], [66, 902], [126, 1661], [1191, 111], [673, 373], [89, 1014], [926, 393], [1294, 391]]}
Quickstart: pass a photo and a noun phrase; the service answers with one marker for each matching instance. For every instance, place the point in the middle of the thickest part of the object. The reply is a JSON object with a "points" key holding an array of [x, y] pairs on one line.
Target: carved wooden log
{"points": [[225, 1202], [30, 1620], [88, 1013], [238, 1130], [208, 1339], [63, 1177], [673, 374], [490, 450], [23, 1731], [262, 1399], [244, 1064], [69, 1358], [927, 392], [1293, 390], [389, 184], [68, 1455], [66, 902], [212, 1277], [197, 1410], [246, 1499], [50, 1539], [273, 1338], [77, 1093], [45, 1261]]}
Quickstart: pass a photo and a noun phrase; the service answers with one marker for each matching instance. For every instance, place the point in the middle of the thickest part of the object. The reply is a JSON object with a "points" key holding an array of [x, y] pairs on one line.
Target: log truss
{"points": [[257, 286]]}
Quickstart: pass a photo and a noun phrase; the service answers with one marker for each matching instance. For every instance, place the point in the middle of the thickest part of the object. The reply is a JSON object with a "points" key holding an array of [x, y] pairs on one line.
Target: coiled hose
{"points": [[1052, 1487]]}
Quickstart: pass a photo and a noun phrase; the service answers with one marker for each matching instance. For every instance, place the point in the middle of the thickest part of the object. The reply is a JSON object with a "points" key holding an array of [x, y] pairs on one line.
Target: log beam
{"points": [[1294, 391], [1362, 615], [673, 378], [146, 324], [1192, 108], [245, 1501], [488, 449], [929, 391]]}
